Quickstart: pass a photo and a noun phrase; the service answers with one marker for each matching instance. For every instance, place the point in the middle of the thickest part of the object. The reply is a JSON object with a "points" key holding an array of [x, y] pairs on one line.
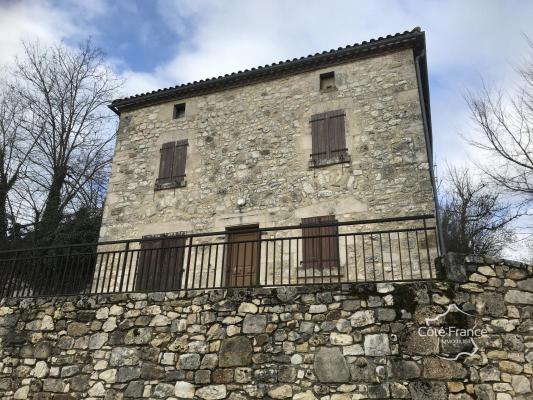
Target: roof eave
{"points": [[413, 39]]}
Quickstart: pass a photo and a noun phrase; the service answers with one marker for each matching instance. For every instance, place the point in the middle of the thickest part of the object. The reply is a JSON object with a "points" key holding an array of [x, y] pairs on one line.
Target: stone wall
{"points": [[254, 142], [326, 342]]}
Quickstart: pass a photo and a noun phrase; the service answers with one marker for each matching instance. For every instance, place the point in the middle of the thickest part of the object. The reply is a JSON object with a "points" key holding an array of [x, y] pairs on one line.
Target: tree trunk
{"points": [[52, 213], [3, 218]]}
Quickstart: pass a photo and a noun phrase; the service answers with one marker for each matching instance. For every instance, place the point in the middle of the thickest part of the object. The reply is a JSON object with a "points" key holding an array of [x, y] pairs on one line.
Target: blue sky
{"points": [[160, 43]]}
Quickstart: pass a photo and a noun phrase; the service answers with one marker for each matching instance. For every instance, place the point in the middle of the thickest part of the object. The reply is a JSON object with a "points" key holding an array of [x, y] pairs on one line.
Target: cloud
{"points": [[465, 40]]}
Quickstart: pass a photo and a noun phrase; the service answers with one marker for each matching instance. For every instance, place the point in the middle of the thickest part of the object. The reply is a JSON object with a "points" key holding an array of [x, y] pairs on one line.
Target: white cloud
{"points": [[465, 40], [25, 20]]}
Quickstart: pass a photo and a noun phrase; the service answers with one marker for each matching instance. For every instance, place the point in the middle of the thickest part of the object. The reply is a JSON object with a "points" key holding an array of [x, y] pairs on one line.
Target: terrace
{"points": [[377, 250]]}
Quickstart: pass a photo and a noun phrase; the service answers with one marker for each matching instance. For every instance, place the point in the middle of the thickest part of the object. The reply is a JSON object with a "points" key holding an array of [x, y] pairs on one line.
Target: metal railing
{"points": [[377, 250]]}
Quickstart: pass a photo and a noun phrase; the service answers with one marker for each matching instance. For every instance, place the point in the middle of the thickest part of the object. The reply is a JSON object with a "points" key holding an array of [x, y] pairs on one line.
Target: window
{"points": [[320, 243], [172, 163], [328, 139], [179, 110], [327, 81], [160, 263]]}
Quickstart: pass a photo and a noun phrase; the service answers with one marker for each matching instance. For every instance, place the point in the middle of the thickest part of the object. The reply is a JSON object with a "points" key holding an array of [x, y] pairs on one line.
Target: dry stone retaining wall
{"points": [[332, 342]]}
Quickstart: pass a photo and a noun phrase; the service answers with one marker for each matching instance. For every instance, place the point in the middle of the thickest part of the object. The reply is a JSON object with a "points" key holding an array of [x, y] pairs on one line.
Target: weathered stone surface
{"points": [[411, 342], [126, 374], [307, 395], [123, 356], [521, 384], [134, 389], [281, 392], [519, 297], [79, 383], [424, 390], [289, 358], [42, 350], [235, 352], [97, 340], [440, 369], [189, 361], [330, 365], [340, 339], [287, 294], [184, 390], [363, 371], [212, 392], [491, 304], [254, 324], [403, 369], [377, 345], [362, 318], [163, 391], [77, 329], [526, 284]]}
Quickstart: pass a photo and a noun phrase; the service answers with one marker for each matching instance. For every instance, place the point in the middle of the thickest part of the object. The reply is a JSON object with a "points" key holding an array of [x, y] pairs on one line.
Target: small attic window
{"points": [[327, 80], [179, 111]]}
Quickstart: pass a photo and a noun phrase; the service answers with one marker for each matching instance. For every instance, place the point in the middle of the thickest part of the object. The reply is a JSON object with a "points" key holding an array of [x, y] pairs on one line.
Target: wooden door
{"points": [[160, 264], [242, 258]]}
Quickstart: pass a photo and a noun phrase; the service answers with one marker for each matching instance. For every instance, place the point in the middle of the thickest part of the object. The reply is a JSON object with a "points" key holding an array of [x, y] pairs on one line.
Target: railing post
{"points": [[61, 279], [427, 249], [188, 263], [10, 279], [124, 264]]}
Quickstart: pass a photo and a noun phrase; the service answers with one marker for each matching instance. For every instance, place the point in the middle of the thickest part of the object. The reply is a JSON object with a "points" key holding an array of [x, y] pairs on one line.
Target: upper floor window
{"points": [[172, 163], [179, 111], [327, 80], [328, 139]]}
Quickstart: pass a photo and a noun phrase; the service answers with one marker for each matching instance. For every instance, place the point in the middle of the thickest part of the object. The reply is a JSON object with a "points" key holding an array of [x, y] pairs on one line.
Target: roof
{"points": [[409, 39]]}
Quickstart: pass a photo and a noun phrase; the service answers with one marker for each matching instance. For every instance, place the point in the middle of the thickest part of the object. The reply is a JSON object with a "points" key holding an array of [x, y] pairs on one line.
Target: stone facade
{"points": [[254, 142], [331, 342]]}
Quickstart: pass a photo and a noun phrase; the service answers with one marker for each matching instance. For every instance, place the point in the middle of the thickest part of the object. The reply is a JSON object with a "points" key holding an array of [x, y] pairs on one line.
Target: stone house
{"points": [[292, 199], [343, 135]]}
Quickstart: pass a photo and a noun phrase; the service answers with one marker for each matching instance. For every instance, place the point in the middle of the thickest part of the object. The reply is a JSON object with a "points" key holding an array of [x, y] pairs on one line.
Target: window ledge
{"points": [[325, 162], [170, 185], [331, 89]]}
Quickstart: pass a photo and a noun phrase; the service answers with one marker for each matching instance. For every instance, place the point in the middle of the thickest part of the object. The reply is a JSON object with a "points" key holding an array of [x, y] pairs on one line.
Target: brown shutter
{"points": [[147, 263], [320, 251], [319, 135], [330, 243], [310, 243], [171, 269], [336, 132], [180, 161], [166, 162], [160, 264]]}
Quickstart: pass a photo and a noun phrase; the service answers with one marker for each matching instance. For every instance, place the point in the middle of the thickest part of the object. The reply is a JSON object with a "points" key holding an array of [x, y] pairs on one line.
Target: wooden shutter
{"points": [[180, 161], [336, 132], [319, 134], [330, 243], [328, 135], [160, 264], [311, 245], [166, 162], [320, 251], [147, 261]]}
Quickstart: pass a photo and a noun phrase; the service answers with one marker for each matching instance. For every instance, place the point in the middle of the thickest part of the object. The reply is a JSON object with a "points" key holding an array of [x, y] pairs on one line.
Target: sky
{"points": [[161, 43]]}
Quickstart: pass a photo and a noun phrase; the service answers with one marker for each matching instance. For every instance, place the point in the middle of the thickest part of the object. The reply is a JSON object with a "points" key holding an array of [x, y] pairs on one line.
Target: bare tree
{"points": [[506, 126], [474, 218], [66, 91], [15, 146]]}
